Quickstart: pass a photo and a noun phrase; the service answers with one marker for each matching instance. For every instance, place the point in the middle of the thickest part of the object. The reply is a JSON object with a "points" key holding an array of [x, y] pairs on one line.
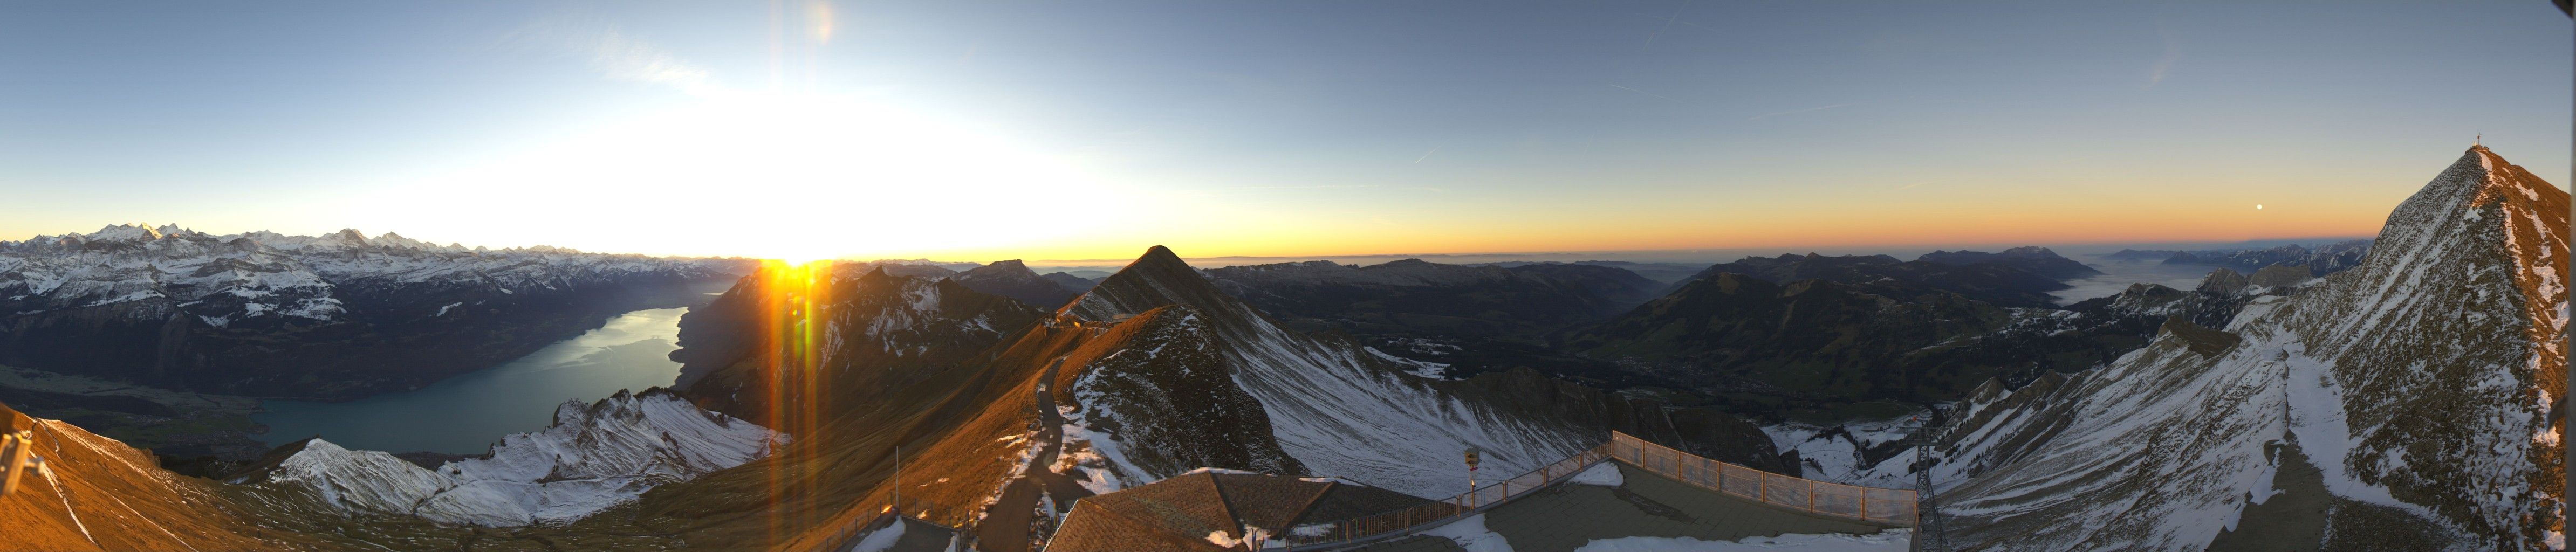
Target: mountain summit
{"points": [[1013, 279], [2406, 402], [1332, 406]]}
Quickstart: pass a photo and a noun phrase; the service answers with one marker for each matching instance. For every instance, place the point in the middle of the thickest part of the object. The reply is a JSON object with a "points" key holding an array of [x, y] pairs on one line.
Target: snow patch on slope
{"points": [[1472, 535], [593, 457]]}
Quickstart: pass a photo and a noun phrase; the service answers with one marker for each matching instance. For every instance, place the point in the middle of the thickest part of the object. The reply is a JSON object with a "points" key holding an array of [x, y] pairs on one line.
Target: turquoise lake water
{"points": [[466, 414]]}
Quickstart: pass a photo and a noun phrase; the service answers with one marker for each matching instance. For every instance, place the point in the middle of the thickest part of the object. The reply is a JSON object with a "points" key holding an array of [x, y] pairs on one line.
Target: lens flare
{"points": [[794, 300]]}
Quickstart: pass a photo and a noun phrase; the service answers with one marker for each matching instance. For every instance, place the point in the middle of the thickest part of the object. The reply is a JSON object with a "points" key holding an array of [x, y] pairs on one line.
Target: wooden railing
{"points": [[1871, 504], [1400, 522], [1894, 507]]}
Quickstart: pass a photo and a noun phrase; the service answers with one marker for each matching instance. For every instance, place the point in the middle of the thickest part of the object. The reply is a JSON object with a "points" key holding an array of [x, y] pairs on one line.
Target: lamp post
{"points": [[1473, 455]]}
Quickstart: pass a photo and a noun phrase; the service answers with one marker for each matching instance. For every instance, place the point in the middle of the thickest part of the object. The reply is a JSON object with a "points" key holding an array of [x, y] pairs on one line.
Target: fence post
{"points": [[1811, 495]]}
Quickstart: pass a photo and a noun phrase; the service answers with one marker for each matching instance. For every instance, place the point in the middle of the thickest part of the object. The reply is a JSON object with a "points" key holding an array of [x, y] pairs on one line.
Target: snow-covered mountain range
{"points": [[2318, 261], [257, 275], [266, 314]]}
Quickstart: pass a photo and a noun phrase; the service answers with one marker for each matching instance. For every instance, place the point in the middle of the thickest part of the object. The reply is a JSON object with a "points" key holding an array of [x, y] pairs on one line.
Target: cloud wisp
{"points": [[626, 58], [2164, 65], [615, 55]]}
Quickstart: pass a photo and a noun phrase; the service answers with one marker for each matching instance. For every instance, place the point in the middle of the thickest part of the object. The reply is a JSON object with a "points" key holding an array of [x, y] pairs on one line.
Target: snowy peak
{"points": [[594, 456], [2448, 341], [2483, 222], [350, 236], [125, 232], [2534, 216], [1333, 407], [1155, 279]]}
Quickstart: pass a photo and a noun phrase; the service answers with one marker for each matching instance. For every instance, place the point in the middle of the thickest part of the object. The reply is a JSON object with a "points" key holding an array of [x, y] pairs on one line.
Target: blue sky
{"points": [[1265, 128]]}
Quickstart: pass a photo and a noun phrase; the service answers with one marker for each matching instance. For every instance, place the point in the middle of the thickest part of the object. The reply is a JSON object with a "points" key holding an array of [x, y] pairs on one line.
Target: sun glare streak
{"points": [[793, 299], [818, 15]]}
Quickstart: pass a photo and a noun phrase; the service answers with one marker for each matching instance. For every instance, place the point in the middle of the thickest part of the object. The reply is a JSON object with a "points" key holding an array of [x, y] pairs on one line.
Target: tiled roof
{"points": [[1178, 514], [1093, 527], [1268, 501]]}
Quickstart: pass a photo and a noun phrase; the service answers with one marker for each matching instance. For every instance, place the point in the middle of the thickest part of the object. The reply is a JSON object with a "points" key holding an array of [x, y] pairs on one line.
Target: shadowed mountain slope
{"points": [[2419, 383], [1014, 280]]}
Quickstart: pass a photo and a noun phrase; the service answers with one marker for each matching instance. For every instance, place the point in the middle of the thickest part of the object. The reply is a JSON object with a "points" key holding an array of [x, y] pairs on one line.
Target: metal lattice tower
{"points": [[1929, 536]]}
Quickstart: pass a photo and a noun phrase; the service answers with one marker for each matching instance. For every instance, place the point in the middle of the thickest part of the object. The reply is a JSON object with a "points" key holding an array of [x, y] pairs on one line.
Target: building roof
{"points": [[1211, 510]]}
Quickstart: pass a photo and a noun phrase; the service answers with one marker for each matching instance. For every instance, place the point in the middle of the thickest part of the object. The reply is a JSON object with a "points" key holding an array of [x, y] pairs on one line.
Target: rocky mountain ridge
{"points": [[2014, 280], [1414, 297], [2032, 259], [1013, 279], [2318, 261]]}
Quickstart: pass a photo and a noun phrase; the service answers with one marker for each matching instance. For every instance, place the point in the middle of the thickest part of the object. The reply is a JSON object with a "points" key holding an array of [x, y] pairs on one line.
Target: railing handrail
{"points": [[1899, 512], [1462, 505]]}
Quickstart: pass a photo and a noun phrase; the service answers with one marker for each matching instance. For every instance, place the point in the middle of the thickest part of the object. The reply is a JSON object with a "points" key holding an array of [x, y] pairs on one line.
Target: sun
{"points": [[795, 177]]}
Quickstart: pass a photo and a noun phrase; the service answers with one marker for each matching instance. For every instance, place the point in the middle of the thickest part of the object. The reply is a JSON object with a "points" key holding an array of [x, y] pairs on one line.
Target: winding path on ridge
{"points": [[1006, 525]]}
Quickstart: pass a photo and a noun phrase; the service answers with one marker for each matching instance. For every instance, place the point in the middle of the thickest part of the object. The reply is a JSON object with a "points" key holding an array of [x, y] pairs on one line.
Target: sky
{"points": [[1090, 130]]}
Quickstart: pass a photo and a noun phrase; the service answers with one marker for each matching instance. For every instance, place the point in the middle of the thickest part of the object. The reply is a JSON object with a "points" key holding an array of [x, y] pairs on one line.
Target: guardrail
{"points": [[1402, 521], [1870, 504], [1874, 505]]}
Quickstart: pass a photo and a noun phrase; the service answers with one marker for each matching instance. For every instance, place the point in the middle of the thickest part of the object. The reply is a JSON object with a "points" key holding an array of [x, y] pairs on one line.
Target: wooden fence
{"points": [[1870, 504]]}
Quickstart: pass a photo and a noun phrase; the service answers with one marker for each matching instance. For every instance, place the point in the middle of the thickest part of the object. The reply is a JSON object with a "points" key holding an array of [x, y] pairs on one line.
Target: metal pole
{"points": [[898, 480], [1927, 507]]}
